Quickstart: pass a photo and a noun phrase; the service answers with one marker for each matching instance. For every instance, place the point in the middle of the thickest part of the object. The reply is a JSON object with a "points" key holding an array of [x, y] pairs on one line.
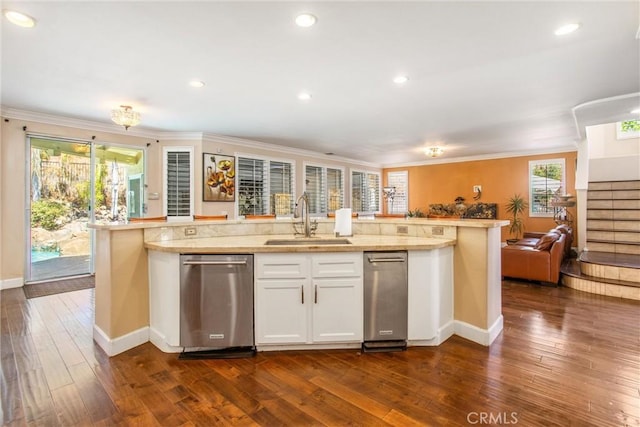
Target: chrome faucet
{"points": [[308, 228]]}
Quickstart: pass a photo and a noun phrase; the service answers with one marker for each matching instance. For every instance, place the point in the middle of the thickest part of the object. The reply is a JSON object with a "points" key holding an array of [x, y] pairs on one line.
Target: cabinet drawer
{"points": [[280, 266], [347, 264]]}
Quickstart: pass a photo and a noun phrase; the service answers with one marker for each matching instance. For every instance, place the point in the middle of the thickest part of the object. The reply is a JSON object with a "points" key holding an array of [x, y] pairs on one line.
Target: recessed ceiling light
{"points": [[19, 19], [304, 96], [400, 80], [305, 20], [566, 29], [196, 83]]}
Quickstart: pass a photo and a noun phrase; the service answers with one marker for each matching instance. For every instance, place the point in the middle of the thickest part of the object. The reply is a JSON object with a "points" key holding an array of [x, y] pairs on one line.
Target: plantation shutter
{"points": [[281, 187], [335, 188], [253, 196], [365, 192], [315, 189], [373, 191], [400, 203], [178, 183]]}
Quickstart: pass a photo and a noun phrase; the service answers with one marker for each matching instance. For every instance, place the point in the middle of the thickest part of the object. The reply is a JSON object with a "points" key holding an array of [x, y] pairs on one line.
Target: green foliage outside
{"points": [[552, 171], [631, 126], [45, 214]]}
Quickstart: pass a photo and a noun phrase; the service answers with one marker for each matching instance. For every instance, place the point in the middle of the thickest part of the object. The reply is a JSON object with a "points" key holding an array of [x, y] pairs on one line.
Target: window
{"points": [[365, 191], [628, 129], [265, 186], [325, 187], [177, 172], [399, 203], [546, 178]]}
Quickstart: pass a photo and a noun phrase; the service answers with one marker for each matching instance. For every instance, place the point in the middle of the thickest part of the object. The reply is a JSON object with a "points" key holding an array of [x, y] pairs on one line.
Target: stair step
{"points": [[614, 185], [614, 214], [624, 237], [613, 194], [613, 248], [603, 224], [573, 277], [613, 204]]}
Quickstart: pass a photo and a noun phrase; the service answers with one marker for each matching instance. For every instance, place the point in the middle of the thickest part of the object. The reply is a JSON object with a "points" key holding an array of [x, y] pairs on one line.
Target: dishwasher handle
{"points": [[392, 259], [215, 262]]}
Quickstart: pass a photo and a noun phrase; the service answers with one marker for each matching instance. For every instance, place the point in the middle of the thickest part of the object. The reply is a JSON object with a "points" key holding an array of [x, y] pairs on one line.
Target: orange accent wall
{"points": [[499, 178]]}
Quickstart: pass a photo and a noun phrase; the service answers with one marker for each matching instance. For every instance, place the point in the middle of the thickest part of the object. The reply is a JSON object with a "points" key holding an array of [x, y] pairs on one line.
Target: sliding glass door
{"points": [[72, 183], [59, 209]]}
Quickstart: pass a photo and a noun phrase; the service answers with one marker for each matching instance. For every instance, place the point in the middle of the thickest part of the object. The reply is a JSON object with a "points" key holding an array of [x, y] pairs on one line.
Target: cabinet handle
{"points": [[315, 296], [302, 290]]}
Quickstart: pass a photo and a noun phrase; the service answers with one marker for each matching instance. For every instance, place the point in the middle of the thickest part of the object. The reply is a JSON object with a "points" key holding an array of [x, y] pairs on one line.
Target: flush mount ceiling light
{"points": [[196, 83], [400, 80], [636, 111], [304, 96], [125, 116], [434, 151], [566, 29], [305, 20], [19, 19]]}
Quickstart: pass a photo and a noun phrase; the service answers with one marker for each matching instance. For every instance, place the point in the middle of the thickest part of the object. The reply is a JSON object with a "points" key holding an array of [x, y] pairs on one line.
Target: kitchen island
{"points": [[470, 291]]}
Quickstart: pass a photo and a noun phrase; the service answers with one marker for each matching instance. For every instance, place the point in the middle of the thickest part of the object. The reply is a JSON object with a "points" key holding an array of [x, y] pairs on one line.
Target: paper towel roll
{"points": [[343, 222]]}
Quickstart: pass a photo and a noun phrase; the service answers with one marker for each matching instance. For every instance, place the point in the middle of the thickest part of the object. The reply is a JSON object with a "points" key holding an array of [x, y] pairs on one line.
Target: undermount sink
{"points": [[311, 241]]}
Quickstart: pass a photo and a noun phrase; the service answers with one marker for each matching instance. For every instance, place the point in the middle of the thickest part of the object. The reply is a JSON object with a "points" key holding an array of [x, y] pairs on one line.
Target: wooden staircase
{"points": [[610, 263]]}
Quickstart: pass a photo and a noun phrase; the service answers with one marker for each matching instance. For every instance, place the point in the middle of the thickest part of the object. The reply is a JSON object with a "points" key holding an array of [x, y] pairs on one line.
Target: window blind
{"points": [[178, 183], [400, 203], [281, 187], [265, 187], [365, 192], [252, 185], [325, 187], [315, 188]]}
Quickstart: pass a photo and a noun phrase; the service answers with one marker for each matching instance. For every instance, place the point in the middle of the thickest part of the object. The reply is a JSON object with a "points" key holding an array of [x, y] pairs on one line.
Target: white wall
{"points": [[612, 159]]}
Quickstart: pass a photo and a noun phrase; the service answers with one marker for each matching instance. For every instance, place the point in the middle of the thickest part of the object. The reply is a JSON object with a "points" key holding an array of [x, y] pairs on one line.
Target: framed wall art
{"points": [[219, 176]]}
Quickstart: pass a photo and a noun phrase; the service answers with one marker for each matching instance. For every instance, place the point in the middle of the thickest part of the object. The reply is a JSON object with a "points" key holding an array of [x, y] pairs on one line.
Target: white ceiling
{"points": [[485, 77]]}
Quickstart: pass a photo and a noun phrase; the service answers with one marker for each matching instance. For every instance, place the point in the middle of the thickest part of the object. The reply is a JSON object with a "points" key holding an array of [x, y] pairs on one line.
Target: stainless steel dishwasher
{"points": [[216, 304], [385, 301]]}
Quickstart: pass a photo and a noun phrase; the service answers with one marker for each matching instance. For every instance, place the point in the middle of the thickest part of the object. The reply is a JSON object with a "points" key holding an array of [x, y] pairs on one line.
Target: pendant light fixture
{"points": [[125, 116]]}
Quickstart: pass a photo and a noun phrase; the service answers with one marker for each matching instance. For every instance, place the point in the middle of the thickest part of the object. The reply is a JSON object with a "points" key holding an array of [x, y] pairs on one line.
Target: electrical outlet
{"points": [[437, 231], [402, 229], [477, 188], [190, 231]]}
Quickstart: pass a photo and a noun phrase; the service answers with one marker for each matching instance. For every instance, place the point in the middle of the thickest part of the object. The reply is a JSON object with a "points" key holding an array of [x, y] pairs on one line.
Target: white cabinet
{"points": [[430, 309], [308, 298]]}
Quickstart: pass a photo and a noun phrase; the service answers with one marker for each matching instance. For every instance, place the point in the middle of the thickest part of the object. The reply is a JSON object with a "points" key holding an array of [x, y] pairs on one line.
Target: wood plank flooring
{"points": [[565, 358]]}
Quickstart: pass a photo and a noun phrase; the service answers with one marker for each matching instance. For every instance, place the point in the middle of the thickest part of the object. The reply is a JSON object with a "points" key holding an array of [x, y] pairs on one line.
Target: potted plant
{"points": [[516, 206]]}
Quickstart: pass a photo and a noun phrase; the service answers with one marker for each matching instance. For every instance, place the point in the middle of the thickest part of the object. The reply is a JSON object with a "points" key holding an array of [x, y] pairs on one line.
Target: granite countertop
{"points": [[456, 222], [256, 244]]}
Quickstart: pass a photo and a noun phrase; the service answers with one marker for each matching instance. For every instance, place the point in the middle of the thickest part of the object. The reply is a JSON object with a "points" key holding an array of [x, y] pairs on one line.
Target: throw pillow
{"points": [[546, 241]]}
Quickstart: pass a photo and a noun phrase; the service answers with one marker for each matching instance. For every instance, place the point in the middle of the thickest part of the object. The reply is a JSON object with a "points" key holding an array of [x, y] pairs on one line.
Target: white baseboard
{"points": [[18, 282], [159, 340], [444, 333], [475, 334], [120, 344]]}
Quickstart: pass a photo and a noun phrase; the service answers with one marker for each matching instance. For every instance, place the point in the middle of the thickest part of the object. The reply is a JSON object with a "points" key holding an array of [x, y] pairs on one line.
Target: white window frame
{"points": [[552, 189], [267, 159], [324, 209], [392, 208], [379, 190], [165, 151]]}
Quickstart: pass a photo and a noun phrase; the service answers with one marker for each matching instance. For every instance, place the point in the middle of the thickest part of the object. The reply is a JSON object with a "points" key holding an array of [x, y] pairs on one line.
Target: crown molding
{"points": [[492, 156], [209, 137], [52, 119]]}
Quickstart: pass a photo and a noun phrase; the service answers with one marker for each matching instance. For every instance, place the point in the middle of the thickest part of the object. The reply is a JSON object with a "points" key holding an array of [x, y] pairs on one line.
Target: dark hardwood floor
{"points": [[564, 358]]}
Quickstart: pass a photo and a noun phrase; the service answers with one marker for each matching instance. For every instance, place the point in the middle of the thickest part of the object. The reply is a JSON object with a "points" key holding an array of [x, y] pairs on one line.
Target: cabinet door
{"points": [[337, 309], [281, 311]]}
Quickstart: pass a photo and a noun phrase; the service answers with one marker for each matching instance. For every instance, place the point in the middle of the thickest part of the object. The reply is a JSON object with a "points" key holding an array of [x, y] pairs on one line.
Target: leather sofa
{"points": [[537, 258]]}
